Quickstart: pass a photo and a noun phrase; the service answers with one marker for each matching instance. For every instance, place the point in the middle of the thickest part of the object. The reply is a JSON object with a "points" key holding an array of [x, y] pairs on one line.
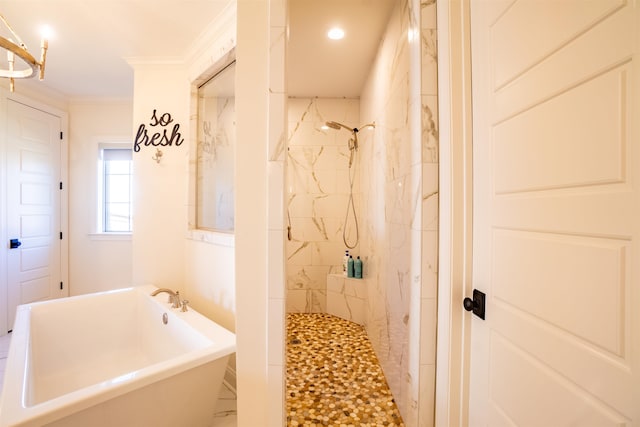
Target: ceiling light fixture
{"points": [[20, 49], [336, 33]]}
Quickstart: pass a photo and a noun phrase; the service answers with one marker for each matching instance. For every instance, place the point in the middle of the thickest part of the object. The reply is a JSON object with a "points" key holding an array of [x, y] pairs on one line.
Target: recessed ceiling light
{"points": [[336, 33]]}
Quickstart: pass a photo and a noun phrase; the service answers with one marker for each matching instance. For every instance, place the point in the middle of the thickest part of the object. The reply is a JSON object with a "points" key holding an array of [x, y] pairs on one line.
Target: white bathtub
{"points": [[107, 359]]}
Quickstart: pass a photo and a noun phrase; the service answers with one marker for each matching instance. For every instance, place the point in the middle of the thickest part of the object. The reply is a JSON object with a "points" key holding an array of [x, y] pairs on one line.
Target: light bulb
{"points": [[46, 32], [336, 33]]}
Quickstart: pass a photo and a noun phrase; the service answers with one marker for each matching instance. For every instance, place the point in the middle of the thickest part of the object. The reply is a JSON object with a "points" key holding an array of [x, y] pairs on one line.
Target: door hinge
{"points": [[60, 136], [61, 286], [61, 235], [61, 185]]}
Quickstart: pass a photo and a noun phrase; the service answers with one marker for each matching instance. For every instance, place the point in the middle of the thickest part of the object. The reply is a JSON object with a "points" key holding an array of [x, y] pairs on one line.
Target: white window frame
{"points": [[98, 232]]}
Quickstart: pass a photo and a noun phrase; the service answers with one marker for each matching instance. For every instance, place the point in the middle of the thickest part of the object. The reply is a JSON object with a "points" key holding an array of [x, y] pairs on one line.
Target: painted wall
{"points": [[164, 249], [167, 250], [209, 281], [96, 262], [34, 90], [261, 106], [399, 199], [252, 97], [160, 196], [209, 257], [260, 233], [317, 197]]}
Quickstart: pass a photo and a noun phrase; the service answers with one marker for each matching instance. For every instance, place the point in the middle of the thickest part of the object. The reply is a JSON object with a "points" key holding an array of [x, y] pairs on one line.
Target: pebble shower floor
{"points": [[333, 375]]}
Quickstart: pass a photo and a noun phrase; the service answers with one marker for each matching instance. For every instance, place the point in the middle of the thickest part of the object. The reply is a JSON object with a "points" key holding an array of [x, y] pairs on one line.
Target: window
{"points": [[215, 185], [115, 185]]}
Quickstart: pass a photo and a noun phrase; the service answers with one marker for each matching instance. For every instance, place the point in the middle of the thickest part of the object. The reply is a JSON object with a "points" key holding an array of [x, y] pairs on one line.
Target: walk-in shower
{"points": [[353, 148]]}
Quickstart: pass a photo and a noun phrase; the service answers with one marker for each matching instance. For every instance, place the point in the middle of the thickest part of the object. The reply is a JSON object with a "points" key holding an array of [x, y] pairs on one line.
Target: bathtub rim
{"points": [[13, 407]]}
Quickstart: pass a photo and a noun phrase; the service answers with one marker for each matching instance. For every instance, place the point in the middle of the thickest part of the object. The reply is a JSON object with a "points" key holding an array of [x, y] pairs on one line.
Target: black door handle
{"points": [[468, 304], [14, 243], [476, 304]]}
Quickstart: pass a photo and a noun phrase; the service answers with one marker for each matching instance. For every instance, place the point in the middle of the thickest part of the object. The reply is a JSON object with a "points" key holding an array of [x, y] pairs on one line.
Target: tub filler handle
{"points": [[184, 305], [174, 297]]}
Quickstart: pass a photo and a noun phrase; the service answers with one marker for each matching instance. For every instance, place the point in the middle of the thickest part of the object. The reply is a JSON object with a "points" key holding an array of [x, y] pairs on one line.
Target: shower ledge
{"points": [[347, 298]]}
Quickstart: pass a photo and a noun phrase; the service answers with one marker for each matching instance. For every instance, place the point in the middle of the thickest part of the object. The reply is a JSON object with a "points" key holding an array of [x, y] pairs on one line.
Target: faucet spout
{"points": [[174, 297]]}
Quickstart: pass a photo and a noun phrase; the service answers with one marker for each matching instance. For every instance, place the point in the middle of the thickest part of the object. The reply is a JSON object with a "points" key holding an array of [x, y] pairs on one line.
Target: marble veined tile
{"points": [[226, 414], [346, 298]]}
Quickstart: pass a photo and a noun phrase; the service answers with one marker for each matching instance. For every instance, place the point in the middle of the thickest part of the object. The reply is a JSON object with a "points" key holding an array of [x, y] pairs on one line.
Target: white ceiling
{"points": [[92, 38], [318, 66]]}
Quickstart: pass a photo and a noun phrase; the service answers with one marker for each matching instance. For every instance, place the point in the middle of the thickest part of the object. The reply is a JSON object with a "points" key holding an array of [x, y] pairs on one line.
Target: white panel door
{"points": [[556, 213], [33, 206]]}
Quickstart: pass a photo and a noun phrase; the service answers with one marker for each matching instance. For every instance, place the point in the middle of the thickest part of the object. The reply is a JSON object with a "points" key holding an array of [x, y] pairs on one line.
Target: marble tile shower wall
{"points": [[317, 196], [430, 206], [387, 201], [396, 198], [400, 204], [277, 96]]}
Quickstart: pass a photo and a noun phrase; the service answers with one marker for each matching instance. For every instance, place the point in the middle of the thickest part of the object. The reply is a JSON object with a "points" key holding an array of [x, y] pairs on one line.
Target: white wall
{"points": [[163, 255], [454, 246], [96, 263], [209, 257], [167, 251], [34, 90], [210, 281], [160, 196], [261, 109], [251, 210]]}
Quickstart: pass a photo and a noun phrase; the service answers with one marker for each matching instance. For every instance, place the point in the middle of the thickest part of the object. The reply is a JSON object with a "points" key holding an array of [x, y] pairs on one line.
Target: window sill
{"points": [[110, 236], [212, 237]]}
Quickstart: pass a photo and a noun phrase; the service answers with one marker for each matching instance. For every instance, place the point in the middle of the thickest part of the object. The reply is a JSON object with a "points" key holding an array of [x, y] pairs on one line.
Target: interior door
{"points": [[556, 213], [33, 206]]}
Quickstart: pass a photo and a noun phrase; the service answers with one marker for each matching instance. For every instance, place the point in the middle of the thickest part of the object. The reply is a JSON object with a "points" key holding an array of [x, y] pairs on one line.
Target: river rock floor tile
{"points": [[333, 375]]}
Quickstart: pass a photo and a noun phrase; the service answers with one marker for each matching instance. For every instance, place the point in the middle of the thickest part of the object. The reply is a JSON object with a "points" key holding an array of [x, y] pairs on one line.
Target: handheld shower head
{"points": [[353, 142], [333, 125], [337, 126], [353, 147]]}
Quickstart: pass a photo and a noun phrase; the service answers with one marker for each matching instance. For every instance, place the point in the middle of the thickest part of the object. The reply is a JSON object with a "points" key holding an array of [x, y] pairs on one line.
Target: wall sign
{"points": [[157, 134]]}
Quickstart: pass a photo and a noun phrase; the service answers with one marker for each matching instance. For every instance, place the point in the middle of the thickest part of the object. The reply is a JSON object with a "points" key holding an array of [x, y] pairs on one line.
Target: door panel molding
{"points": [[32, 223], [556, 234]]}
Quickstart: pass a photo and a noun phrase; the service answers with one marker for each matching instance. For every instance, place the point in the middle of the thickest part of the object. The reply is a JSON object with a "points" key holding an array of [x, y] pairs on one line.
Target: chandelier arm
{"points": [[24, 55], [43, 58], [20, 42]]}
